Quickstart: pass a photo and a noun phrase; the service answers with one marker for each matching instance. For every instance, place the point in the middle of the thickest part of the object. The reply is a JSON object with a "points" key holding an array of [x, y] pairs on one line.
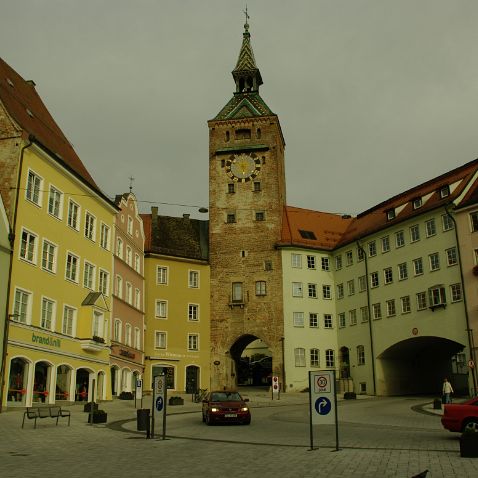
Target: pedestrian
{"points": [[447, 391]]}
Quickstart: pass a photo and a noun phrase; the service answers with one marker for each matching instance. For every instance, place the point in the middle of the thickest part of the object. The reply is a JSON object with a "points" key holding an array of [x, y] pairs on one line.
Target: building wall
{"points": [[175, 354], [445, 323], [306, 317], [32, 284], [468, 239], [127, 352]]}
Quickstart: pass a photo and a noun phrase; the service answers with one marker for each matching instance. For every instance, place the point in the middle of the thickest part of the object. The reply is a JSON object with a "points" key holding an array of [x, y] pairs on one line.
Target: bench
{"points": [[53, 411]]}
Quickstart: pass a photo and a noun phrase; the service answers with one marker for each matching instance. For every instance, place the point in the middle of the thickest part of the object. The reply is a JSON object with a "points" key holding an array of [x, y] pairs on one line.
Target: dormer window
{"points": [[444, 191], [307, 234], [417, 203], [391, 214]]}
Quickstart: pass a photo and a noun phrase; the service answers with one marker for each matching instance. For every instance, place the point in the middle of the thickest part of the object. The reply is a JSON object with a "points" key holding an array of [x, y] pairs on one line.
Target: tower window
{"points": [[258, 133], [257, 186], [243, 133], [223, 163], [228, 136], [230, 218], [260, 216], [231, 188]]}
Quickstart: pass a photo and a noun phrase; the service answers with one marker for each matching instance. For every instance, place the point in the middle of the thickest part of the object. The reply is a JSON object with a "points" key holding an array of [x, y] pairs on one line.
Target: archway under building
{"points": [[418, 366], [252, 361]]}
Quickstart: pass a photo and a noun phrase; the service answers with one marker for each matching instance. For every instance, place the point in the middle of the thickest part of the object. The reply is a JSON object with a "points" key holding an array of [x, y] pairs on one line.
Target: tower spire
{"points": [[246, 74]]}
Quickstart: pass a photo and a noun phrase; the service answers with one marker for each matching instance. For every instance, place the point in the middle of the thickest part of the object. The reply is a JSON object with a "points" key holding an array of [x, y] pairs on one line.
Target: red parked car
{"points": [[225, 406], [460, 416]]}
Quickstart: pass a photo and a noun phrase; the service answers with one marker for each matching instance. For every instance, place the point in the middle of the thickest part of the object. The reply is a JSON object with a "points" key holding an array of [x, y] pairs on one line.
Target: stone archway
{"points": [[418, 365]]}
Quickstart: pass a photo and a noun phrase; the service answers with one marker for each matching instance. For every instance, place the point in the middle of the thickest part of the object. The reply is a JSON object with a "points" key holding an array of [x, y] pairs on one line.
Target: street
{"points": [[378, 437]]}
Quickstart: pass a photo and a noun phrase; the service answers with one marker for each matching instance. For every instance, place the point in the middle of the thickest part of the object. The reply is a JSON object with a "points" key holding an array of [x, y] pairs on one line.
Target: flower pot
{"points": [[87, 406], [98, 416]]}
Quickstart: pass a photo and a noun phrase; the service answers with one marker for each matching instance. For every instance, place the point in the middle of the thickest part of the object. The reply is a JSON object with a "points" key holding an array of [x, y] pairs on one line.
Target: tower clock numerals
{"points": [[243, 167]]}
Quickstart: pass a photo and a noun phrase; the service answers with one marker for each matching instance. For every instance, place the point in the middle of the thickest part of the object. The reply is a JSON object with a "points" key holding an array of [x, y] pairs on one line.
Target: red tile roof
{"points": [[25, 106], [327, 228]]}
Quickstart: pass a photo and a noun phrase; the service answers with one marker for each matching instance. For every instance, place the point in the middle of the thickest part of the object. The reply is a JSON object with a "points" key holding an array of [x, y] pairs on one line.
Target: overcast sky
{"points": [[373, 96]]}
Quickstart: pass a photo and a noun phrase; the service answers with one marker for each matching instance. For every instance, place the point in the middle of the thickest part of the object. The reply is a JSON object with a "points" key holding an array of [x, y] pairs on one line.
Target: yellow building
{"points": [[177, 333], [60, 285]]}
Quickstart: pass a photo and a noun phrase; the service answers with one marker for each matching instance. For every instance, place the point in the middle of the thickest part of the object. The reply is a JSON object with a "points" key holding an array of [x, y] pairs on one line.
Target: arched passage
{"points": [[418, 366], [252, 360]]}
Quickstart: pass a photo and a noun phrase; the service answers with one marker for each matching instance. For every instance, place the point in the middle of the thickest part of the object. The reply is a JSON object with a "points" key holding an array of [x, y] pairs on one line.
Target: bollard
{"points": [[142, 420], [437, 404]]}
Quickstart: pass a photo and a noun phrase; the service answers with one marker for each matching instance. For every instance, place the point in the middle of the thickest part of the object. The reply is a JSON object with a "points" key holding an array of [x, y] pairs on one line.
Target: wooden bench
{"points": [[52, 411]]}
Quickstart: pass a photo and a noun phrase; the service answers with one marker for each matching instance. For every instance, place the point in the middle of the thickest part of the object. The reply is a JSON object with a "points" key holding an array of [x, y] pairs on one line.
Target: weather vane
{"points": [[131, 179], [246, 14]]}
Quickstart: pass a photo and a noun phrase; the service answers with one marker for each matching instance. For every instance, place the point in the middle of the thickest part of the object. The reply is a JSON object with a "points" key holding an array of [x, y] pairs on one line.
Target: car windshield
{"points": [[225, 397]]}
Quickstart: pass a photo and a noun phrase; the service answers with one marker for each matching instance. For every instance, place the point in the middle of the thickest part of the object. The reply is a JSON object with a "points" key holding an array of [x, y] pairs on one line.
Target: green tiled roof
{"points": [[244, 105]]}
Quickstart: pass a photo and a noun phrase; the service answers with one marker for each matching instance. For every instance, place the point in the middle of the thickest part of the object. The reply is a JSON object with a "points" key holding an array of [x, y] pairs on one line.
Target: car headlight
{"points": [[214, 409], [244, 409]]}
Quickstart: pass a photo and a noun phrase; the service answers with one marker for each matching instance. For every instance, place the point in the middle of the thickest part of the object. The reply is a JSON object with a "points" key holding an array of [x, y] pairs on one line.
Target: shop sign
{"points": [[38, 339]]}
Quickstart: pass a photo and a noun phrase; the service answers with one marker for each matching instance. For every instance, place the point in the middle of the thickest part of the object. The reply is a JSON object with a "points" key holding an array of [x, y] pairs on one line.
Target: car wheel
{"points": [[471, 425], [247, 422], [208, 420]]}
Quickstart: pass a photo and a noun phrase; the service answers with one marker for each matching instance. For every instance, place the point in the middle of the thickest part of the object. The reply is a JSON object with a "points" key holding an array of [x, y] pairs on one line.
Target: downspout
{"points": [[11, 238], [372, 353], [467, 319]]}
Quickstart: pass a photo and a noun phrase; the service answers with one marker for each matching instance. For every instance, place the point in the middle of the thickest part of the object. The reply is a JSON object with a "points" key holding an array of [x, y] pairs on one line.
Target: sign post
{"points": [[159, 403], [323, 402], [275, 388], [139, 392]]}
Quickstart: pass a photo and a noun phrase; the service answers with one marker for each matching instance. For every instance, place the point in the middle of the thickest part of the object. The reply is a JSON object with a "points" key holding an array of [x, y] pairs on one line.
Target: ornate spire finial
{"points": [[131, 179], [246, 25]]}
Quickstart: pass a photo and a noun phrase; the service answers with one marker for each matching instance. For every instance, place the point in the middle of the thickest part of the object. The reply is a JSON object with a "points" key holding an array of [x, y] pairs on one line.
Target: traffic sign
{"points": [[323, 406], [159, 403], [322, 400], [471, 364]]}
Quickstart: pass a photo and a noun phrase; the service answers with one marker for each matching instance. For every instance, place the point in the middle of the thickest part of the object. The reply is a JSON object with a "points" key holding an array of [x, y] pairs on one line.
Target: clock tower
{"points": [[246, 204]]}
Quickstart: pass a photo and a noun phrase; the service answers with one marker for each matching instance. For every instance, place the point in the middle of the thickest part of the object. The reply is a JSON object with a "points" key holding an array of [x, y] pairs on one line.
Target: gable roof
{"points": [[244, 105], [326, 227], [25, 106], [375, 218], [176, 236]]}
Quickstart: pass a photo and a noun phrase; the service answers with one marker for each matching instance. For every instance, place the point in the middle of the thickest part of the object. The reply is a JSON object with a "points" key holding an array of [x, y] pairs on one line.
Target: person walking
{"points": [[447, 391]]}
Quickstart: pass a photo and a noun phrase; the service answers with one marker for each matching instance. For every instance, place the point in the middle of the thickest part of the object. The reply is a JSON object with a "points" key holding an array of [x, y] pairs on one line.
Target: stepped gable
{"points": [[301, 226], [26, 108], [376, 218], [175, 236]]}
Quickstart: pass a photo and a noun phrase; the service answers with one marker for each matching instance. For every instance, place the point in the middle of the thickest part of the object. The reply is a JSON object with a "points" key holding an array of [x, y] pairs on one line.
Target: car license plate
{"points": [[230, 415]]}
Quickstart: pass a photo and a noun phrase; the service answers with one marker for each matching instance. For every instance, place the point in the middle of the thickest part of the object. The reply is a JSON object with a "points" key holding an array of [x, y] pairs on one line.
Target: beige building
{"points": [[177, 315], [127, 327]]}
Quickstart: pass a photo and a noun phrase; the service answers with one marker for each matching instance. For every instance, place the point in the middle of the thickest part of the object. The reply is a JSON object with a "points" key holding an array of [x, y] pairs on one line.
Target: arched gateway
{"points": [[246, 201]]}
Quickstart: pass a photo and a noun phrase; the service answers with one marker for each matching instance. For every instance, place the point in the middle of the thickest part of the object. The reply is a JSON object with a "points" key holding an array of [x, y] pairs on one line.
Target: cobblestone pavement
{"points": [[392, 437]]}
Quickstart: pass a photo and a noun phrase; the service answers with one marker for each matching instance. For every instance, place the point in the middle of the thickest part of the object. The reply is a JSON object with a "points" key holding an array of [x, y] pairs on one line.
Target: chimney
{"points": [[154, 213], [186, 216]]}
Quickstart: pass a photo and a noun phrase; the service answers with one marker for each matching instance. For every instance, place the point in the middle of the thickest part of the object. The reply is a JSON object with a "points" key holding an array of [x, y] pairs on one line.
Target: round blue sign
{"points": [[323, 405], [159, 404]]}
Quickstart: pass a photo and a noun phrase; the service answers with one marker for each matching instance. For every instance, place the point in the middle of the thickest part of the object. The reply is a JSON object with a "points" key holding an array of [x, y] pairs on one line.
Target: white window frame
{"points": [[430, 227], [46, 245], [326, 292], [74, 215], [340, 291], [314, 356], [328, 321], [418, 266], [193, 279], [451, 256], [129, 256], [297, 289], [72, 268], [55, 202], [117, 329], [296, 261], [90, 226], [311, 262], [447, 223], [193, 312], [193, 342], [421, 300], [299, 357], [353, 316], [298, 319], [330, 358], [34, 192], [160, 340], [385, 243], [104, 282], [119, 286], [434, 261], [414, 233], [105, 235], [65, 327], [388, 275], [28, 246], [313, 320], [89, 275], [22, 306], [391, 308], [399, 239], [456, 292], [405, 304], [162, 275], [261, 288], [119, 247], [161, 309], [377, 311], [402, 271]]}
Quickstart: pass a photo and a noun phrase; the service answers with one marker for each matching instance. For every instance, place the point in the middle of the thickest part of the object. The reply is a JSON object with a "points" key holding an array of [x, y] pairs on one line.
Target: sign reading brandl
{"points": [[38, 339]]}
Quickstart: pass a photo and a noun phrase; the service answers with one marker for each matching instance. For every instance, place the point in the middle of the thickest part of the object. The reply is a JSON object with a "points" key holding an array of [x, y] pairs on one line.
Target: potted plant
{"points": [[469, 441], [98, 416], [87, 406]]}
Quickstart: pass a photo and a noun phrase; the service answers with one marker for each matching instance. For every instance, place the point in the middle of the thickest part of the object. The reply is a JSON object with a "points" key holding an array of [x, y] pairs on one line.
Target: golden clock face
{"points": [[243, 167]]}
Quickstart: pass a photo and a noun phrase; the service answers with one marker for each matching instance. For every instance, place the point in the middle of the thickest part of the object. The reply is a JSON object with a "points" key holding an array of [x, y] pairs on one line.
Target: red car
{"points": [[225, 406], [459, 416]]}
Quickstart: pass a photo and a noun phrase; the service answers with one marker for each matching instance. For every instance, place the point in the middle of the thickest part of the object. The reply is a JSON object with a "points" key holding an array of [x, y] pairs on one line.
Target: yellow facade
{"points": [[59, 321], [185, 352]]}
